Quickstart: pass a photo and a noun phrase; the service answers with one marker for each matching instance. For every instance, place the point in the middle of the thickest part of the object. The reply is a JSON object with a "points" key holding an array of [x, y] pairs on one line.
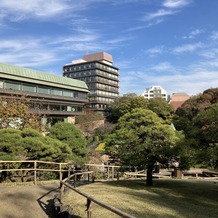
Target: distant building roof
{"points": [[38, 77], [177, 99], [100, 56]]}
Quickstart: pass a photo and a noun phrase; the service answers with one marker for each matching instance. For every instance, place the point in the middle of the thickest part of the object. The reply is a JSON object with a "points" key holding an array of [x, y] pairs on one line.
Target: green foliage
{"points": [[141, 136], [161, 107], [124, 105], [198, 118], [28, 144], [129, 102], [72, 136]]}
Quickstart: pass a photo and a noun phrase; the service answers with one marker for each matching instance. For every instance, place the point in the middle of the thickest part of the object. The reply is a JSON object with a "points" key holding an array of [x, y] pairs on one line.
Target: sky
{"points": [[170, 43]]}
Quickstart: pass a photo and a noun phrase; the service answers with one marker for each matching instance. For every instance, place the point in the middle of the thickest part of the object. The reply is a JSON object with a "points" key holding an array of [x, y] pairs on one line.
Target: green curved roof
{"points": [[34, 76]]}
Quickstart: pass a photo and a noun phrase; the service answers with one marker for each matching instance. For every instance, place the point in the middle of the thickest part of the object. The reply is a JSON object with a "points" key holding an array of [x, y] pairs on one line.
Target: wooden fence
{"points": [[89, 199], [110, 171], [33, 166]]}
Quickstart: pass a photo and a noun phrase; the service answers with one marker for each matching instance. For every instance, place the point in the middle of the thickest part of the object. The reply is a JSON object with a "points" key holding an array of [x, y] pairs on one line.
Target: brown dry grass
{"points": [[166, 199]]}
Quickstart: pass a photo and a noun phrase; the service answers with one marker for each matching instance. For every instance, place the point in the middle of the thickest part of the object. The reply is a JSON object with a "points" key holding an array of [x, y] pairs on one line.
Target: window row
{"points": [[99, 92], [92, 72], [43, 90], [56, 107], [96, 79], [88, 66], [102, 106], [109, 88], [79, 67], [94, 98], [107, 68]]}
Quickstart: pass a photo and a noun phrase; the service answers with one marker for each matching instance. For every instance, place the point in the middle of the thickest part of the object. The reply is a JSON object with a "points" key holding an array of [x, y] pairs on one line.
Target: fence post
{"points": [[88, 174], [35, 171], [74, 180], [112, 169], [61, 192], [108, 172], [60, 172]]}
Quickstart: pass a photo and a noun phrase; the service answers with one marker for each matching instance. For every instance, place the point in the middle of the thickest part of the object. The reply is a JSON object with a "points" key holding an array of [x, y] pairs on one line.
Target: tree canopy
{"points": [[123, 105], [29, 144], [142, 138], [198, 118], [162, 108], [71, 135], [129, 102]]}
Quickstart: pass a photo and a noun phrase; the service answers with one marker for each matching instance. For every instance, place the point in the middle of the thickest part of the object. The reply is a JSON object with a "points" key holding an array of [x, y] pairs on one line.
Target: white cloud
{"points": [[25, 9], [118, 40], [158, 14], [187, 48], [20, 52], [155, 51], [193, 34], [214, 35], [211, 53], [163, 67], [169, 7], [176, 3], [196, 81]]}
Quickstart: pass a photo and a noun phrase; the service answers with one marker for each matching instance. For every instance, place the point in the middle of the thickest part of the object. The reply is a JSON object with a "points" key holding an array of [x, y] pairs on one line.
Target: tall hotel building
{"points": [[101, 77]]}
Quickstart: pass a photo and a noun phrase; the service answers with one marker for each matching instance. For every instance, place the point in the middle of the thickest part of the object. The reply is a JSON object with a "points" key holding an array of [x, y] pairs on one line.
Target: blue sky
{"points": [[171, 43]]}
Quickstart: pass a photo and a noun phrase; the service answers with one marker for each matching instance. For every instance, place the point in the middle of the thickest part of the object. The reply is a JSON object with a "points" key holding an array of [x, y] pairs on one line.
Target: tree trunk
{"points": [[149, 180]]}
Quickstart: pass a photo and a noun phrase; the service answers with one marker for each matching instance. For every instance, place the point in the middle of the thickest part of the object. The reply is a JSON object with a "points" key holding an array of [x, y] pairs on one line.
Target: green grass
{"points": [[166, 199]]}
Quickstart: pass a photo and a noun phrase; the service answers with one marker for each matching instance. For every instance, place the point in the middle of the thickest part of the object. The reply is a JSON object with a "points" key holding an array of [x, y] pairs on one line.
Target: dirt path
{"points": [[35, 201]]}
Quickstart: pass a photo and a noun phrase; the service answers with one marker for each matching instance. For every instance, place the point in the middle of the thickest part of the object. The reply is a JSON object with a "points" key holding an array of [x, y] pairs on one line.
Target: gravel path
{"points": [[27, 201]]}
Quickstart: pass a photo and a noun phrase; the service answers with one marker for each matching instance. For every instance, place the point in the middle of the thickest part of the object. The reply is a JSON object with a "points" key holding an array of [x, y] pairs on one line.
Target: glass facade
{"points": [[20, 86]]}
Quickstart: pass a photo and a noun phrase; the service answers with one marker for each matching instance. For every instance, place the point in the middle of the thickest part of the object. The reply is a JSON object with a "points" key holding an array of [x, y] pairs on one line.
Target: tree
{"points": [[29, 144], [71, 135], [162, 108], [197, 117], [206, 131], [185, 114], [123, 105], [141, 139], [15, 113]]}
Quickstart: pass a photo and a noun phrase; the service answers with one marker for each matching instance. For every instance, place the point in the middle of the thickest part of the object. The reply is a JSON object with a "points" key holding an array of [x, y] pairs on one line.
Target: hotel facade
{"points": [[57, 98], [101, 77]]}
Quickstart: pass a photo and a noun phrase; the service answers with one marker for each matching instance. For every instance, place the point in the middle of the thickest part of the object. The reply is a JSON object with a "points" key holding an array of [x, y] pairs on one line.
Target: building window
{"points": [[43, 90], [13, 86], [67, 94], [29, 88], [56, 92], [1, 85], [55, 107]]}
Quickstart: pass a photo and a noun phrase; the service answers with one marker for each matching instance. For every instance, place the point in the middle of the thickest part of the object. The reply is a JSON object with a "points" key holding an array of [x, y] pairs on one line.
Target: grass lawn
{"points": [[168, 198]]}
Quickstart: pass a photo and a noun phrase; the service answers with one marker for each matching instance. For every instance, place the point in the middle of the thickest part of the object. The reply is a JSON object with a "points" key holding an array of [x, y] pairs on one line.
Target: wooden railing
{"points": [[110, 171], [89, 199], [34, 167]]}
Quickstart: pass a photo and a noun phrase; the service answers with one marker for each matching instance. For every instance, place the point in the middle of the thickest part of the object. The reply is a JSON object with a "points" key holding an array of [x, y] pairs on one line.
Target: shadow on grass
{"points": [[185, 198]]}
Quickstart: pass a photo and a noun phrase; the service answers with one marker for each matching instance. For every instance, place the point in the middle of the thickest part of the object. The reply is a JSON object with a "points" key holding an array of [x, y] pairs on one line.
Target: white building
{"points": [[155, 92]]}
